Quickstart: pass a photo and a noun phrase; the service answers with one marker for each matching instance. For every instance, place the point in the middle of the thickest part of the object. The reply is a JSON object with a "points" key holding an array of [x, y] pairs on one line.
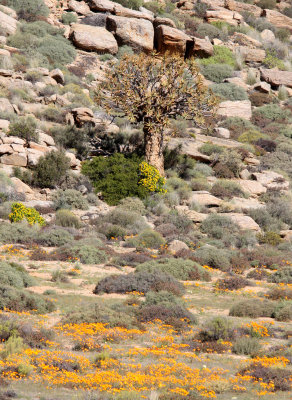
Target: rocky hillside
{"points": [[118, 283]]}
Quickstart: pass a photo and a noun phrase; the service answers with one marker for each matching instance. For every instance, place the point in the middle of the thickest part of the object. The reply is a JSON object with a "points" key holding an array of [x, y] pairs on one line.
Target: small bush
{"points": [[229, 91], [54, 237], [68, 18], [271, 238], [67, 219], [227, 190], [258, 274], [15, 275], [116, 177], [88, 254], [21, 300], [177, 267], [69, 198], [280, 293], [237, 125], [231, 160], [133, 204], [252, 309], [259, 99], [20, 212], [210, 149], [147, 239], [20, 232], [169, 315], [231, 283], [270, 4], [283, 312], [60, 276], [29, 10], [213, 257], [217, 226], [218, 328], [217, 72], [142, 282], [51, 169], [222, 55], [279, 377], [250, 136], [283, 275], [25, 128], [209, 30], [247, 345], [270, 112]]}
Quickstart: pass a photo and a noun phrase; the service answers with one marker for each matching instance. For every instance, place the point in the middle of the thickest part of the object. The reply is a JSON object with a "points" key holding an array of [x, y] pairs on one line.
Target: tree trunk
{"points": [[153, 142]]}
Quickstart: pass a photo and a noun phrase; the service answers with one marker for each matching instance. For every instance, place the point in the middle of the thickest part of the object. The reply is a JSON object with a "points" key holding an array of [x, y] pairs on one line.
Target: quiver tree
{"points": [[152, 90]]}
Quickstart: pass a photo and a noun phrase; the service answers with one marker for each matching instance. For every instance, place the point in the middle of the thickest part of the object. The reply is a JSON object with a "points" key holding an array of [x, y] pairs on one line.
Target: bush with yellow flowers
{"points": [[150, 178], [19, 212]]}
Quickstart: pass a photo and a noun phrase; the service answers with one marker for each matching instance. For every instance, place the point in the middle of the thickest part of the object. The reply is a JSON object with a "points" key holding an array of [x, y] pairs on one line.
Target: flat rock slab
{"points": [[246, 204], [252, 187], [240, 109], [243, 221], [204, 198]]}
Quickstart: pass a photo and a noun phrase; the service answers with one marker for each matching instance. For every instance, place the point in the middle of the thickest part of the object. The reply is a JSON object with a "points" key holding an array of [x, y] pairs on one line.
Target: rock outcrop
{"points": [[276, 77], [93, 38], [240, 109]]}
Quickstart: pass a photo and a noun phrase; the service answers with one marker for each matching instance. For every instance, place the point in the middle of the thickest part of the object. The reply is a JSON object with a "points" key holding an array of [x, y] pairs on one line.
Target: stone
{"points": [[221, 14], [176, 246], [271, 180], [33, 156], [241, 7], [8, 24], [4, 124], [95, 20], [58, 75], [80, 7], [82, 115], [38, 147], [204, 198], [237, 81], [253, 188], [117, 9], [244, 174], [277, 78], [13, 140], [268, 36], [222, 132], [278, 19], [45, 139], [263, 87], [18, 148], [5, 149], [17, 160], [240, 109], [243, 221], [136, 33], [251, 55], [9, 11], [6, 106], [7, 73], [93, 38], [74, 162], [245, 40], [163, 21], [201, 48], [189, 147], [246, 204], [171, 39], [102, 5], [20, 186]]}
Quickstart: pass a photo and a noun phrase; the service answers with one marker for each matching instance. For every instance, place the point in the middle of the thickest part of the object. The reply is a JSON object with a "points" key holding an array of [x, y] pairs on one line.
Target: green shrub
{"points": [[217, 328], [116, 177], [217, 226], [54, 237], [21, 232], [25, 128], [228, 164], [210, 148], [217, 72], [67, 219], [229, 91], [271, 238], [133, 204], [88, 254], [20, 212], [69, 18], [272, 112], [15, 275], [142, 282], [133, 4], [179, 268], [69, 198], [283, 312], [126, 219], [288, 11], [227, 189], [147, 239], [222, 55], [60, 276], [21, 300], [250, 136], [213, 257], [237, 125], [234, 282], [272, 61], [57, 50], [30, 10], [252, 309], [51, 169], [209, 30], [270, 4], [13, 345], [247, 345], [283, 275]]}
